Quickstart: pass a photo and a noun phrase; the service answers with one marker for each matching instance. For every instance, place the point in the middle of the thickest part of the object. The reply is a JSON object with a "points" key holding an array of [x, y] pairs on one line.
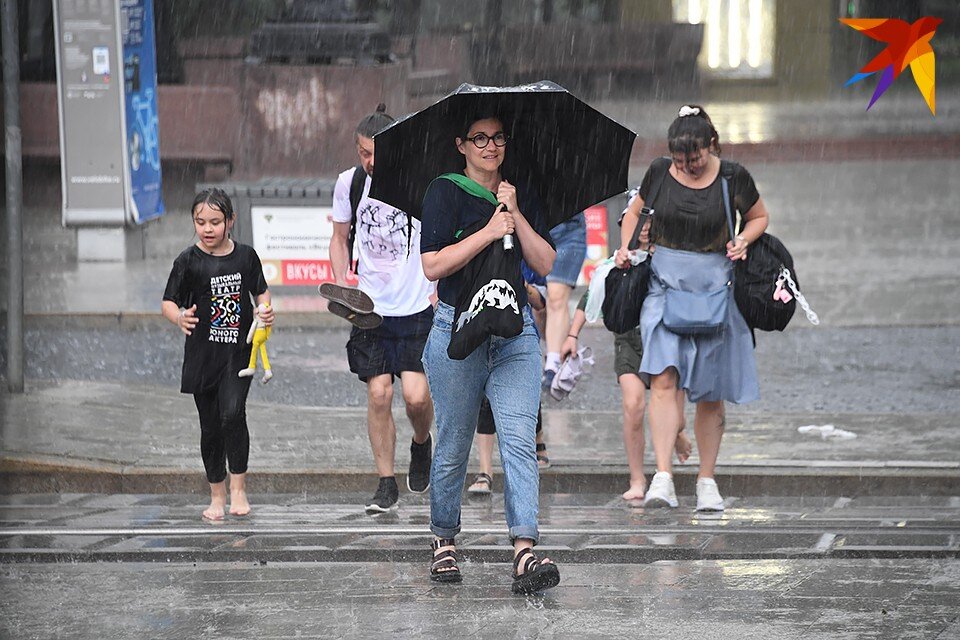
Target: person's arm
{"points": [[630, 220], [755, 222], [569, 346], [340, 252], [537, 252], [185, 319]]}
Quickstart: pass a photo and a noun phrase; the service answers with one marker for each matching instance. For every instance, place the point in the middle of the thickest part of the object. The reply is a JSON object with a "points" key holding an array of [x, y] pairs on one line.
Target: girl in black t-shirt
{"points": [[208, 297]]}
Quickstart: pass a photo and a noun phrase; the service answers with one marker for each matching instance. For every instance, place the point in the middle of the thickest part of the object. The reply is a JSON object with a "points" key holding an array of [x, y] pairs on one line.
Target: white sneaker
{"points": [[708, 496], [661, 492]]}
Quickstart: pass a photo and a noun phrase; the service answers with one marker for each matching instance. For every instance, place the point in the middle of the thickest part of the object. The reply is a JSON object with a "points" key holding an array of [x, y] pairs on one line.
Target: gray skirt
{"points": [[710, 367]]}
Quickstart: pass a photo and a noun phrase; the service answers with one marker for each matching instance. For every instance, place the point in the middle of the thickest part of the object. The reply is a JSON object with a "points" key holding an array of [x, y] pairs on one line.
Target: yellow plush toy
{"points": [[258, 335]]}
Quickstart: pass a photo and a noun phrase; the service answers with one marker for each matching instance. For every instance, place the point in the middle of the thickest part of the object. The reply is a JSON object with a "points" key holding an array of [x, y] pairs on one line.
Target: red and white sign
{"points": [[596, 217], [294, 244]]}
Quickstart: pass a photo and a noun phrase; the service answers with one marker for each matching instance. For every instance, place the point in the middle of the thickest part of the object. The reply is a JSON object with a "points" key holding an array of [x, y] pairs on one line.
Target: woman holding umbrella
{"points": [[506, 370]]}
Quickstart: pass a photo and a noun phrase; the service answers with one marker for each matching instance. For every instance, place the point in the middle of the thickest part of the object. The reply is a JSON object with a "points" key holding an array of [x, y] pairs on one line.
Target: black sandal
{"points": [[482, 485], [444, 566], [537, 575], [543, 461]]}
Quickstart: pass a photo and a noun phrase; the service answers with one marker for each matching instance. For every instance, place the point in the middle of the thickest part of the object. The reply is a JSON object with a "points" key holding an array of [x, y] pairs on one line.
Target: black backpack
{"points": [[756, 278], [356, 193]]}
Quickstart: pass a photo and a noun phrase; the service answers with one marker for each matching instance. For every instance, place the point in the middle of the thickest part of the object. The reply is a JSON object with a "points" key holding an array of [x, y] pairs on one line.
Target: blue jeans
{"points": [[507, 370]]}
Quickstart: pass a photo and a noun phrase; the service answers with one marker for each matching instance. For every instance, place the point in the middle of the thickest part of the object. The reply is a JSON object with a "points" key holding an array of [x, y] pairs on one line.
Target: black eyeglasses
{"points": [[481, 140]]}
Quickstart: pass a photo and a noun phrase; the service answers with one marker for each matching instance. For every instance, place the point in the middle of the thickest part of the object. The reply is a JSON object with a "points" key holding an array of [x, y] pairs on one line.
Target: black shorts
{"points": [[486, 425], [393, 347]]}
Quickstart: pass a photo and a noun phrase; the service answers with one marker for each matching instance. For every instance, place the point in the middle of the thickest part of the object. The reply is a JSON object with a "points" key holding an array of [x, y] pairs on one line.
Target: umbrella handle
{"points": [[507, 242]]}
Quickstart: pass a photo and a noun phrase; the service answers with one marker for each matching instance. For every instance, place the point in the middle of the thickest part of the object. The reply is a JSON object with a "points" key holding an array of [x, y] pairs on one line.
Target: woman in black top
{"points": [[208, 298], [694, 257], [506, 370]]}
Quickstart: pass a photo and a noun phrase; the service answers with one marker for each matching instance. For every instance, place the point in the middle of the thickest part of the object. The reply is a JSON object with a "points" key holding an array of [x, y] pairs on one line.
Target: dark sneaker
{"points": [[421, 456], [546, 381], [365, 321], [353, 299], [385, 499]]}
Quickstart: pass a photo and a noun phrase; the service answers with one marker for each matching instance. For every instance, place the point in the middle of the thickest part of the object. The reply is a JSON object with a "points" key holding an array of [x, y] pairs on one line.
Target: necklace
{"points": [[227, 251]]}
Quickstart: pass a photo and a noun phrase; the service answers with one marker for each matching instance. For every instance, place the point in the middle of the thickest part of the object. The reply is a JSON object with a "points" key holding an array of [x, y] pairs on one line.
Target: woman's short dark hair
{"points": [[692, 131], [374, 123], [215, 198], [476, 116]]}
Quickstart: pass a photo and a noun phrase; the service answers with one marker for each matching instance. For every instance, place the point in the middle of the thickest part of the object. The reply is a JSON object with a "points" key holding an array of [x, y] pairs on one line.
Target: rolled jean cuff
{"points": [[443, 533], [527, 532]]}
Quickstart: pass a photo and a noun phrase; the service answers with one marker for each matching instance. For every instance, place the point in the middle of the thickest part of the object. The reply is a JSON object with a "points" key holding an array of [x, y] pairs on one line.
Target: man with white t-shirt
{"points": [[388, 266]]}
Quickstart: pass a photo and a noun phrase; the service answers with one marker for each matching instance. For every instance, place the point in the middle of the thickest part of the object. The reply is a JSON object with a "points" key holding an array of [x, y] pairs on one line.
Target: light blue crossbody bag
{"points": [[699, 312]]}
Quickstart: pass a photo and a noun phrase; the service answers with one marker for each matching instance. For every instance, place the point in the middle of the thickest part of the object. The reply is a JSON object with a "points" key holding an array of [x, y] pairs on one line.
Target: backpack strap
{"points": [[657, 176], [356, 193], [727, 169]]}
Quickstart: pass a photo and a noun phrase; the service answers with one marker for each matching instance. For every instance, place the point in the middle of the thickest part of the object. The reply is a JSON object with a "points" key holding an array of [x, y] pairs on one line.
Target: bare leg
{"points": [[558, 315], [683, 447], [485, 452], [218, 501], [239, 505], [633, 394], [380, 425], [416, 397], [664, 418], [708, 427]]}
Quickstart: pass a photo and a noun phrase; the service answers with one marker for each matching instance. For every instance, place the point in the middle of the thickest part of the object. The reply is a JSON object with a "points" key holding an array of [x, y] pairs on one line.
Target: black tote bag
{"points": [[488, 304]]}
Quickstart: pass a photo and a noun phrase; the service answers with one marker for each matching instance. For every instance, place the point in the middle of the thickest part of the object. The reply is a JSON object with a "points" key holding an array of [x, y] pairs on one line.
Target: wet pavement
{"points": [[314, 566], [101, 483], [579, 527], [719, 600]]}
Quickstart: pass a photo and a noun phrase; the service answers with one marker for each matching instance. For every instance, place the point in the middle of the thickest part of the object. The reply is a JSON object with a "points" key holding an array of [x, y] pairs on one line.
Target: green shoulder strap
{"points": [[472, 187]]}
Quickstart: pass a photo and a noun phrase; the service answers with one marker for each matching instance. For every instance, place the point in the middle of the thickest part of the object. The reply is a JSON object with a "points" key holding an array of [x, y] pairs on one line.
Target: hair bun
{"points": [[381, 108]]}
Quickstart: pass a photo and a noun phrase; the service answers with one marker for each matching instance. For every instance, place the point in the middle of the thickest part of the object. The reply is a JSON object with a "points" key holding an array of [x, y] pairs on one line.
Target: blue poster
{"points": [[140, 89]]}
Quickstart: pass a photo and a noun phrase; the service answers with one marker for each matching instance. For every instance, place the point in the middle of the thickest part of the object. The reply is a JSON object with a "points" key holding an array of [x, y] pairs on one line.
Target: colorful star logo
{"points": [[907, 44]]}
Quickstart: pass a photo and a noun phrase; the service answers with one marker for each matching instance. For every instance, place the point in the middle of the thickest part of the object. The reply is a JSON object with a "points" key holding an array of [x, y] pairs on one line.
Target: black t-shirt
{"points": [[448, 210], [220, 286], [694, 219]]}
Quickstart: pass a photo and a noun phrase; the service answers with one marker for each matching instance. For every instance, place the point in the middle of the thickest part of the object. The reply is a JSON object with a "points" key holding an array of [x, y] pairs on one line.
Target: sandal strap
{"points": [[524, 553], [446, 557], [541, 446], [439, 543], [483, 477]]}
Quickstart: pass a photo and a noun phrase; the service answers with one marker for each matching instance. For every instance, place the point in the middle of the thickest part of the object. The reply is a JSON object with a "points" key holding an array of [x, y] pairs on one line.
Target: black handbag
{"points": [[626, 289], [758, 279]]}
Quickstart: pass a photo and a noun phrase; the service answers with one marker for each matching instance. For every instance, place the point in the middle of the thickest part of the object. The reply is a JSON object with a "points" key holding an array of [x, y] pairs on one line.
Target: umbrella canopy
{"points": [[573, 155]]}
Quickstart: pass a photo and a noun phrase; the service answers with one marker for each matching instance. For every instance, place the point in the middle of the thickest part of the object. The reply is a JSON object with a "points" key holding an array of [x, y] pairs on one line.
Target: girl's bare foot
{"points": [[683, 447], [218, 502], [637, 490], [239, 506]]}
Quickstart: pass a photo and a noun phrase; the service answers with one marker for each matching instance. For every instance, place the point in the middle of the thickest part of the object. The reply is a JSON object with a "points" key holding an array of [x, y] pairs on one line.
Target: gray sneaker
{"points": [[353, 299], [365, 321]]}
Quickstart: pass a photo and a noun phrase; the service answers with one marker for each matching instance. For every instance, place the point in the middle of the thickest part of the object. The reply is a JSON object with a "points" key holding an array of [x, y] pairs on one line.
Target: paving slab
{"points": [[790, 599], [576, 527]]}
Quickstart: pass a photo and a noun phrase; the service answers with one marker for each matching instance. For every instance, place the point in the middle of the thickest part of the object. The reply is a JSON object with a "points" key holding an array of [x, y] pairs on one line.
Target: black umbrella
{"points": [[571, 153]]}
